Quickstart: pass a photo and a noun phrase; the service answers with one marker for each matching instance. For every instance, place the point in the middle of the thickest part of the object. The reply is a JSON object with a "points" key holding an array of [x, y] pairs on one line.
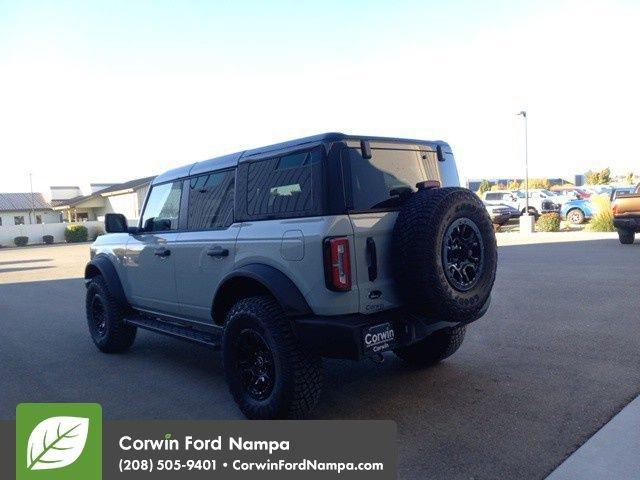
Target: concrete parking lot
{"points": [[553, 360]]}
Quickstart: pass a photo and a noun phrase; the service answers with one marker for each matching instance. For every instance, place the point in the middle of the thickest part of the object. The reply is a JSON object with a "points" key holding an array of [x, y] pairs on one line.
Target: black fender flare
{"points": [[274, 281], [101, 265]]}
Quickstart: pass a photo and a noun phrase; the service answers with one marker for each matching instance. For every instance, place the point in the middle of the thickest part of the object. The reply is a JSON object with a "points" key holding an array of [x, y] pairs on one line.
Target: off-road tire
{"points": [[575, 216], [432, 349], [116, 336], [417, 249], [627, 237], [298, 372]]}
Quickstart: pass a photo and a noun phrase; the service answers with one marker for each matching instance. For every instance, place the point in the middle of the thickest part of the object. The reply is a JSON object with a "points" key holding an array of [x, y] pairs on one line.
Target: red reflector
{"points": [[338, 264]]}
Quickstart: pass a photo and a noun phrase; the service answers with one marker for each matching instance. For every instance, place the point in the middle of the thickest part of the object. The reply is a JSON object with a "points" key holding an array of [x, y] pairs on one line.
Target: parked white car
{"points": [[557, 198], [537, 205]]}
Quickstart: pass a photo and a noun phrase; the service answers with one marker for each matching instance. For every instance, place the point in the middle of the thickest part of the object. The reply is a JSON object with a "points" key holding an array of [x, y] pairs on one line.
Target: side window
{"points": [[283, 185], [163, 208], [492, 196], [211, 201], [18, 220]]}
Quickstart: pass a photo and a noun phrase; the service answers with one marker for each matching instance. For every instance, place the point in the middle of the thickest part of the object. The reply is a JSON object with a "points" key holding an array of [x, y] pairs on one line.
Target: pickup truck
{"points": [[626, 216]]}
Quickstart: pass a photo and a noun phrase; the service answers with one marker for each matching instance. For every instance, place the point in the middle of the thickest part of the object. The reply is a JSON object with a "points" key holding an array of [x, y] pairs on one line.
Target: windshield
{"points": [[383, 180]]}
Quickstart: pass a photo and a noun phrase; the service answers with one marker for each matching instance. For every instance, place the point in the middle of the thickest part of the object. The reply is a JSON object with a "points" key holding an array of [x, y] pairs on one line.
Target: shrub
{"points": [[602, 220], [76, 233], [97, 232], [48, 239], [21, 241], [548, 222]]}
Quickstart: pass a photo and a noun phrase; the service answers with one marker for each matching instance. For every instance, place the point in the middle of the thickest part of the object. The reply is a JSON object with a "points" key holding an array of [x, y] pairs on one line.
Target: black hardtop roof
{"points": [[231, 160]]}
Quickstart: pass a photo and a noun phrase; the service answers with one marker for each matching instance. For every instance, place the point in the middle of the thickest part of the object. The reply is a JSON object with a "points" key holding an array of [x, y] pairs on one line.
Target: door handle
{"points": [[162, 252], [218, 252]]}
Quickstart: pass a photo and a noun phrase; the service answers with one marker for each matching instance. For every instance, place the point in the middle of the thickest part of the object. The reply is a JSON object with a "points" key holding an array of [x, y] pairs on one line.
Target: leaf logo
{"points": [[56, 442]]}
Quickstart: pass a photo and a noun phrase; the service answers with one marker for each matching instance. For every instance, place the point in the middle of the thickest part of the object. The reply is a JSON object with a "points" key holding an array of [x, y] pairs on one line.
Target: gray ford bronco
{"points": [[332, 246]]}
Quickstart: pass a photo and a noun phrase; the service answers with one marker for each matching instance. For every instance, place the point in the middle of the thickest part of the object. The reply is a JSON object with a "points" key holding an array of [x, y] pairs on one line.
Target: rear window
{"points": [[379, 182], [284, 186]]}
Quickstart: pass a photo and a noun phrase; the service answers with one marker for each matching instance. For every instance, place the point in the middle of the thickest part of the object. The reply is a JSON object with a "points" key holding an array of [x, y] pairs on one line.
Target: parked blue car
{"points": [[577, 211]]}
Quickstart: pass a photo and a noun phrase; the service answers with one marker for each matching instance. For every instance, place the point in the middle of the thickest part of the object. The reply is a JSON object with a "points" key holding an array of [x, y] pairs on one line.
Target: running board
{"points": [[175, 331]]}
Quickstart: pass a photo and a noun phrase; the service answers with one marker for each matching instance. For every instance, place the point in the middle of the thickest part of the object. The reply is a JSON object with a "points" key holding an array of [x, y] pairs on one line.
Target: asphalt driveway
{"points": [[553, 360]]}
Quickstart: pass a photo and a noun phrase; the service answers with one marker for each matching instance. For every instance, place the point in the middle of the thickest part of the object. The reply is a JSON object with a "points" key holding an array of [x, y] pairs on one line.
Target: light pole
{"points": [[32, 214], [526, 162]]}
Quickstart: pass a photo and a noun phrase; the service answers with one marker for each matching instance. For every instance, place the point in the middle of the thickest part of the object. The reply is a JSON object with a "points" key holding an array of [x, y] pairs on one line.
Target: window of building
{"points": [[38, 219], [18, 220], [211, 201], [0, 221], [283, 185], [163, 208]]}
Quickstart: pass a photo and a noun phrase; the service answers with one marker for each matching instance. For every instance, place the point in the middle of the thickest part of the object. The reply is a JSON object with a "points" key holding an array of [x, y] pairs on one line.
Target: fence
{"points": [[36, 232]]}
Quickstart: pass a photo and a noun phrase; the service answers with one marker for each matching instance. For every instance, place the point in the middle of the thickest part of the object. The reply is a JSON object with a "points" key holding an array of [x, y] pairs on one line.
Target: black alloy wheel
{"points": [[462, 254], [256, 364]]}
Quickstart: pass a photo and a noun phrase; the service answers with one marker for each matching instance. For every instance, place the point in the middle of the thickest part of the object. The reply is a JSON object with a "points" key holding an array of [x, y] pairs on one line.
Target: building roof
{"points": [[131, 184], [233, 159], [22, 202], [113, 189]]}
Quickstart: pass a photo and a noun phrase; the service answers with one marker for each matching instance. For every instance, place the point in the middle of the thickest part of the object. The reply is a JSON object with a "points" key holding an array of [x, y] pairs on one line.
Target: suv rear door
{"points": [[375, 187], [205, 252]]}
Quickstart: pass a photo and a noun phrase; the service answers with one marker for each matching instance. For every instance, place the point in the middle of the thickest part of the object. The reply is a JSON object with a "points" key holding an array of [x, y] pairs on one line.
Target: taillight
{"points": [[337, 264]]}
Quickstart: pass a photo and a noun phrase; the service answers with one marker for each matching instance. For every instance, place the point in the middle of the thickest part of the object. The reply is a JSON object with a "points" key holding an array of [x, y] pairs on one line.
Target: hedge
{"points": [[76, 233], [548, 222]]}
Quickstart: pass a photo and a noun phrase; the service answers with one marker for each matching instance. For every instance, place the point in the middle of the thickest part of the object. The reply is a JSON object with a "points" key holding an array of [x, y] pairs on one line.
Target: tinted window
{"points": [[211, 201], [163, 207], [283, 185], [378, 182], [493, 196]]}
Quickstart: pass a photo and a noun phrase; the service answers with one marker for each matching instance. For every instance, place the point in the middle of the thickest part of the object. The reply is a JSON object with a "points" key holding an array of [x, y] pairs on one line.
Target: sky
{"points": [[110, 91]]}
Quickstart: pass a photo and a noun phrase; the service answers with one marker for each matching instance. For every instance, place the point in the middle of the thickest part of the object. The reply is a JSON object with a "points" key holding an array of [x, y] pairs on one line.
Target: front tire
{"points": [[269, 372], [432, 349], [105, 318], [575, 216], [626, 237]]}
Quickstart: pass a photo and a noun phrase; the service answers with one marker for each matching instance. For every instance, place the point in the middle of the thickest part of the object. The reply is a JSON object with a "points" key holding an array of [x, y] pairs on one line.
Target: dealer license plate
{"points": [[379, 338]]}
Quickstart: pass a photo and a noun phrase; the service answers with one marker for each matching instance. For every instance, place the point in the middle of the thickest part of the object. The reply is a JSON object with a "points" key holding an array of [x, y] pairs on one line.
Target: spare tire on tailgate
{"points": [[445, 253]]}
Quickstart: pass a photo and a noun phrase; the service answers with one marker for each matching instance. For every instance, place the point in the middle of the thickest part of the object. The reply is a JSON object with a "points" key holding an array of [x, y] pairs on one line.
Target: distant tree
{"points": [[630, 178], [485, 186], [499, 186], [593, 178], [539, 183], [602, 177], [514, 185]]}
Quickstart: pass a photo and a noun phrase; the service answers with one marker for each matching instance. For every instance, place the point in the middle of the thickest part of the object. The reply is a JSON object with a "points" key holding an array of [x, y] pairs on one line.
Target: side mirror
{"points": [[115, 223]]}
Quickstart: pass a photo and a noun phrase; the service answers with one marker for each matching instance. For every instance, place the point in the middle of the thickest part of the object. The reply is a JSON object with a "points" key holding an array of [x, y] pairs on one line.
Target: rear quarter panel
{"points": [[294, 246]]}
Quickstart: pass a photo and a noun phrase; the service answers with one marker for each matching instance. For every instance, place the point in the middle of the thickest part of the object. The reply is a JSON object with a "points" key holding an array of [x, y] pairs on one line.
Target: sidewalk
{"points": [[613, 453]]}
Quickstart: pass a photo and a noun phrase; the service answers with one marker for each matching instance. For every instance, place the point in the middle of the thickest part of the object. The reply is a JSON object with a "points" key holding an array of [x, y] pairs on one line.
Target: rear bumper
{"points": [[350, 336], [627, 223]]}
